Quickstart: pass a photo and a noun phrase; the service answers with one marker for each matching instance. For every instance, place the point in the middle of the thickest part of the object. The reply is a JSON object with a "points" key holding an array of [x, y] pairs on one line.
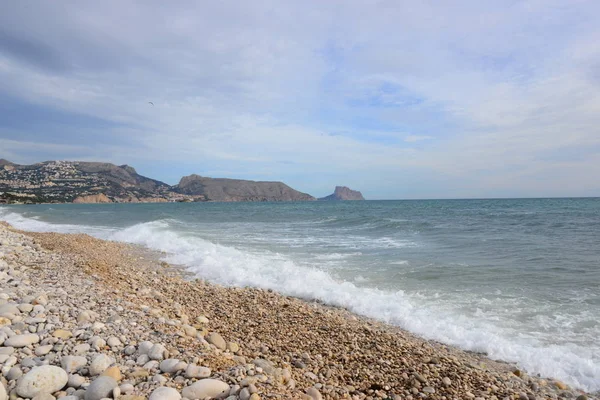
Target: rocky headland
{"points": [[82, 318], [94, 182], [343, 193], [223, 189]]}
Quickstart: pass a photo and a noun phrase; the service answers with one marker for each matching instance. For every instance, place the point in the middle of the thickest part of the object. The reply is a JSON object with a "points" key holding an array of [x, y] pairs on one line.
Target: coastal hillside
{"points": [[96, 182], [79, 182], [343, 193], [221, 189]]}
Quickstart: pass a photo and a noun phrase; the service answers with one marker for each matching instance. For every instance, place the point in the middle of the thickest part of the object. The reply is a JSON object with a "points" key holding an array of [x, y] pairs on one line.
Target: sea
{"points": [[517, 279]]}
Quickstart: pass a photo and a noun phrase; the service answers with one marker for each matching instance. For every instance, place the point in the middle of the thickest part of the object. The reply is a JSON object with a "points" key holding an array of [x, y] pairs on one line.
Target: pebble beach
{"points": [[83, 318]]}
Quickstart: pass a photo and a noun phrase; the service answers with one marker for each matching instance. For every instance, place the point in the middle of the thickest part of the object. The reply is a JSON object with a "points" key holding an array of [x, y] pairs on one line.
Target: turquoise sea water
{"points": [[517, 279]]}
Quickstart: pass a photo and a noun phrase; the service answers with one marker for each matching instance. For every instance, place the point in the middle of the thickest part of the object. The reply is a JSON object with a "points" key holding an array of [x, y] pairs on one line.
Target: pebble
{"points": [[205, 388], [314, 393], [157, 352], [3, 394], [22, 340], [73, 363], [194, 371], [102, 387], [114, 372], [100, 363], [165, 393], [171, 365], [14, 373], [44, 379], [217, 340], [75, 381]]}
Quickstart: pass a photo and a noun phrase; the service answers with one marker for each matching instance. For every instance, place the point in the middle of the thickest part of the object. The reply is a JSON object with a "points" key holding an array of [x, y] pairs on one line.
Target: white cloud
{"points": [[502, 88]]}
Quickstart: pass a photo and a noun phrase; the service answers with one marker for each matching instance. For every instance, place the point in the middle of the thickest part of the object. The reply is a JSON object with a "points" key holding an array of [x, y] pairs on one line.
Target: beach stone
{"points": [[165, 393], [266, 365], [114, 372], [446, 381], [62, 334], [195, 371], [44, 396], [43, 350], [205, 388], [144, 347], [3, 394], [233, 347], [4, 322], [22, 340], [244, 394], [9, 309], [157, 352], [44, 379], [127, 388], [171, 365], [582, 397], [428, 389], [217, 340], [75, 381], [114, 342], [81, 349], [189, 330], [84, 316], [560, 385], [14, 373], [102, 387], [100, 363], [73, 363], [314, 393]]}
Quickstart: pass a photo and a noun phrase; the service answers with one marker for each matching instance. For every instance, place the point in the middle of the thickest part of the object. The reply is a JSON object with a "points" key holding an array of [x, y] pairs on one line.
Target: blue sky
{"points": [[396, 99]]}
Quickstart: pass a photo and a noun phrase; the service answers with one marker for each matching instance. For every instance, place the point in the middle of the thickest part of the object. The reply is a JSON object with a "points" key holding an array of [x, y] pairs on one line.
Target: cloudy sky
{"points": [[400, 99]]}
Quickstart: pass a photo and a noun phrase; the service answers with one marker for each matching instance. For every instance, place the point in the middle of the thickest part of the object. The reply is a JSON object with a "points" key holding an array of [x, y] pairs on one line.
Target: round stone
{"points": [[195, 371], [205, 388], [73, 363], [43, 350], [171, 365], [100, 363], [22, 340], [44, 379], [165, 393], [314, 393], [100, 388], [3, 394], [217, 340], [157, 352]]}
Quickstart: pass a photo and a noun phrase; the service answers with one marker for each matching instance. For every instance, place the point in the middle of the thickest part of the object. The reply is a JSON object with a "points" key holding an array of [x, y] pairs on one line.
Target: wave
{"points": [[574, 364]]}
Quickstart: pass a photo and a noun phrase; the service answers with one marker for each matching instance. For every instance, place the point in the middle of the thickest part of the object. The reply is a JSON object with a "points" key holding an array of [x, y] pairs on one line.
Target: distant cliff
{"points": [[82, 182], [344, 193], [97, 182], [222, 189]]}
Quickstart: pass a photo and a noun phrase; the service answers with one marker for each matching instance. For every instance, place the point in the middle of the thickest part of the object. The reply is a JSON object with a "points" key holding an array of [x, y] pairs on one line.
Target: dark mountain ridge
{"points": [[99, 182]]}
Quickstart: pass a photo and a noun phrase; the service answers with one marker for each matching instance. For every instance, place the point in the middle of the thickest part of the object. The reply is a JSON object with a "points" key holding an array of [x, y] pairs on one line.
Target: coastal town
{"points": [[70, 181]]}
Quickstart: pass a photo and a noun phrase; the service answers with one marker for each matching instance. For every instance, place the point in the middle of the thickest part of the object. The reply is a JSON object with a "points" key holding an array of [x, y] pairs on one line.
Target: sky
{"points": [[398, 99]]}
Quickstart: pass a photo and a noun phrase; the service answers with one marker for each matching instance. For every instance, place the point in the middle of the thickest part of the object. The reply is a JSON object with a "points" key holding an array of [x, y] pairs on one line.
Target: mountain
{"points": [[95, 182], [222, 189], [82, 182], [343, 193]]}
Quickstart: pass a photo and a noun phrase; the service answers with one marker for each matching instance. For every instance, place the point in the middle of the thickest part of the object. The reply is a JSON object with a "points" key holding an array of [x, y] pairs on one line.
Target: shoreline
{"points": [[297, 348]]}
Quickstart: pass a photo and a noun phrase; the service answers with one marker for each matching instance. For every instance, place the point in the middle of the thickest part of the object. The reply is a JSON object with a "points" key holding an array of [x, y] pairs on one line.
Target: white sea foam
{"points": [[577, 365]]}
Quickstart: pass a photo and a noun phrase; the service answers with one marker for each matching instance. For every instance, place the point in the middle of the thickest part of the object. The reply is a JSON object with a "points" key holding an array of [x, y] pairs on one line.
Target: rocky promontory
{"points": [[343, 193], [223, 189]]}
